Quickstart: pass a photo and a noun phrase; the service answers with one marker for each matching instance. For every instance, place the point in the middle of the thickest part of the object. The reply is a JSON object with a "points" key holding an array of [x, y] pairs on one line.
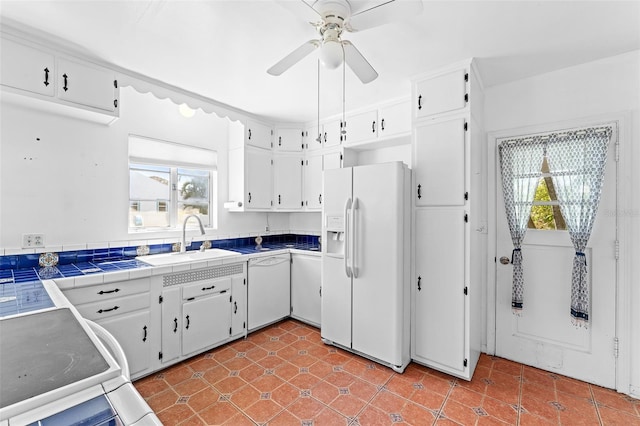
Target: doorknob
{"points": [[505, 260]]}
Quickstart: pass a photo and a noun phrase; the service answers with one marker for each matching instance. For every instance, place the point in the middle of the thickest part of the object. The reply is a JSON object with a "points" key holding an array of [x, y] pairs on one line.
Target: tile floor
{"points": [[285, 375]]}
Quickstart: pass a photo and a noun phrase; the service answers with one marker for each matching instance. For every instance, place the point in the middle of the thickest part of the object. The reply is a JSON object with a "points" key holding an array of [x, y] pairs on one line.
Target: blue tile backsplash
{"points": [[25, 267]]}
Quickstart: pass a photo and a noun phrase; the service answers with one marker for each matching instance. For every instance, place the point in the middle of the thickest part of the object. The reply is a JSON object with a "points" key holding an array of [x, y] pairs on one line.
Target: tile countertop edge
{"points": [[67, 283]]}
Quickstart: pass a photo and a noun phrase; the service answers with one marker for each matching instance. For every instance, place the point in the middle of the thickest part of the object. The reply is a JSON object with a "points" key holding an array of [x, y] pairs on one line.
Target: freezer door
{"points": [[379, 272]]}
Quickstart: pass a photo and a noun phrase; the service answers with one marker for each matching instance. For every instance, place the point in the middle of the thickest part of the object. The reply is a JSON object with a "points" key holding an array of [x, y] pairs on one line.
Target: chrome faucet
{"points": [[183, 245]]}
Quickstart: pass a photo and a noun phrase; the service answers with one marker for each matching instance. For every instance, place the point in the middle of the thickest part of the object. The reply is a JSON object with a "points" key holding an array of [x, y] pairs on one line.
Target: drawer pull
{"points": [[208, 288], [144, 339], [108, 291], [108, 310], [175, 325], [187, 327], [235, 307]]}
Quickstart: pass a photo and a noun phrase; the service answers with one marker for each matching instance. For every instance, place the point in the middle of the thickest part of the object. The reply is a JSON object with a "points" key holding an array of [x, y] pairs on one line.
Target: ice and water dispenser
{"points": [[334, 240]]}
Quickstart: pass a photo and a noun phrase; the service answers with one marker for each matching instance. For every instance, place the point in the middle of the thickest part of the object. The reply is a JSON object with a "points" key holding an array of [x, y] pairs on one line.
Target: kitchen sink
{"points": [[188, 256]]}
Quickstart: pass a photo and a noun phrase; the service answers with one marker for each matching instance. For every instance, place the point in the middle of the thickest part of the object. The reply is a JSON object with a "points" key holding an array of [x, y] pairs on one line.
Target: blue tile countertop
{"points": [[16, 269]]}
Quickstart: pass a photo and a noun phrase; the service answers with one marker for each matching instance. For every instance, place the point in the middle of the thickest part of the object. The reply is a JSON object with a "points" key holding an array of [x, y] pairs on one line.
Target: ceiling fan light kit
{"points": [[332, 17]]}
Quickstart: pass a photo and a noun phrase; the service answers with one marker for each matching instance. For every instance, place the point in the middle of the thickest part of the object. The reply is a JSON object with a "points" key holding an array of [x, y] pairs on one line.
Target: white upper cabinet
{"points": [[442, 93], [439, 162], [313, 137], [383, 123], [361, 127], [259, 185], [26, 68], [287, 176], [258, 134], [86, 85], [313, 182], [332, 133], [288, 140]]}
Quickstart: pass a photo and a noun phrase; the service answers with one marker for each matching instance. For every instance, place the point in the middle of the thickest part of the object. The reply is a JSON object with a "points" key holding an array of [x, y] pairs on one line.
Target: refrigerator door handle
{"points": [[347, 238], [353, 239]]}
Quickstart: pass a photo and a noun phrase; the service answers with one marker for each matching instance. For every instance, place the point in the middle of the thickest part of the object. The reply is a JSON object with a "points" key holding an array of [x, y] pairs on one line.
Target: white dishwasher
{"points": [[269, 290]]}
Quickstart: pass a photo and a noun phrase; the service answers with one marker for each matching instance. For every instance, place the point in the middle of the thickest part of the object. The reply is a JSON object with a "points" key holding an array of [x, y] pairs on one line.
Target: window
{"points": [[545, 212], [168, 182]]}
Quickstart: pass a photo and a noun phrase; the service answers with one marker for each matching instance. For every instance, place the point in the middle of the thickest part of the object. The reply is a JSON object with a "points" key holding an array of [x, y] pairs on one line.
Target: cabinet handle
{"points": [[188, 322], [249, 134], [249, 197], [208, 288], [419, 191], [235, 307], [420, 102], [373, 126], [108, 291], [175, 325], [320, 199], [382, 124], [325, 137], [144, 339], [100, 311], [419, 286], [46, 76], [279, 140], [320, 291], [279, 199], [65, 87]]}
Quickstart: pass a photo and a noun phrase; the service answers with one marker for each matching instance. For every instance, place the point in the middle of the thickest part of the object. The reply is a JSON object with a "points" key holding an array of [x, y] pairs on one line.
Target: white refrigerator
{"points": [[366, 261]]}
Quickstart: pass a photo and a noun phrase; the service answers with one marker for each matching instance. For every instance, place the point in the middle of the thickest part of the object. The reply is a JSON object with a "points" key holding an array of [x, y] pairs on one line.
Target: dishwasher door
{"points": [[269, 290]]}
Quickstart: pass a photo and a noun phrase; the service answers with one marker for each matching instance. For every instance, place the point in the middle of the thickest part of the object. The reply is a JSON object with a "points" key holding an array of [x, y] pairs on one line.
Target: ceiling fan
{"points": [[331, 18]]}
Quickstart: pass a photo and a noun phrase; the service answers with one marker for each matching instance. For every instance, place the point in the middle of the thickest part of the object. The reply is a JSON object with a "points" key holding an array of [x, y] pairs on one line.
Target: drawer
{"points": [[204, 287], [96, 293], [112, 307]]}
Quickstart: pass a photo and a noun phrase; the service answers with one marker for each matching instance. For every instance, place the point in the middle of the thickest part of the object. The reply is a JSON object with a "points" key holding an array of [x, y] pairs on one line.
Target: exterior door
{"points": [[544, 336]]}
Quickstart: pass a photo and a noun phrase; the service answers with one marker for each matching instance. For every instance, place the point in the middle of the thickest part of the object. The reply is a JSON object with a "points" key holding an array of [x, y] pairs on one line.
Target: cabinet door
{"points": [[331, 135], [440, 94], [287, 174], [332, 160], [25, 68], [171, 317], [288, 140], [439, 163], [313, 138], [239, 305], [394, 120], [313, 182], [206, 321], [259, 184], [361, 127], [257, 134], [86, 85], [132, 333], [305, 288], [439, 314]]}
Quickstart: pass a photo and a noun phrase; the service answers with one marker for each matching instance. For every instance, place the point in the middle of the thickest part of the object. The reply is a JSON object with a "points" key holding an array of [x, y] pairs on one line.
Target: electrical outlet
{"points": [[32, 240]]}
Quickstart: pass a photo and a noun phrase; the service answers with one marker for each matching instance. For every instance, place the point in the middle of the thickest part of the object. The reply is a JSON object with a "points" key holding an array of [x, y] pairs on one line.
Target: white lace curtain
{"points": [[577, 161]]}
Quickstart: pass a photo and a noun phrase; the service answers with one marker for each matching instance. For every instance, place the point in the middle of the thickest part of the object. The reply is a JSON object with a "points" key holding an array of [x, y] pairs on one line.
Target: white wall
{"points": [[72, 183], [594, 89]]}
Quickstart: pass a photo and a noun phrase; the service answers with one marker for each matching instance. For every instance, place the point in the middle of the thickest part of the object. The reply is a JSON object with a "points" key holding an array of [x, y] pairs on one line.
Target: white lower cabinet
{"points": [[206, 321], [123, 308], [306, 288], [439, 291]]}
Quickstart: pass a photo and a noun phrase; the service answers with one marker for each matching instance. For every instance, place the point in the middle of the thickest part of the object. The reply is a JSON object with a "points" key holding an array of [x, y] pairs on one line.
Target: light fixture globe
{"points": [[331, 54]]}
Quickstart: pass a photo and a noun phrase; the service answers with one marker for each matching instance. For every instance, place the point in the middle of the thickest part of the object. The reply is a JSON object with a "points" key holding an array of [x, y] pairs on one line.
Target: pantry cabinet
{"points": [[306, 288], [449, 220], [123, 309]]}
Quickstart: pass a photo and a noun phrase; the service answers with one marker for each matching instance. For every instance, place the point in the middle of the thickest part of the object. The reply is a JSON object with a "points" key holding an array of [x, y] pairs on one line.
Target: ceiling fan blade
{"points": [[358, 63], [301, 9], [384, 13], [294, 57]]}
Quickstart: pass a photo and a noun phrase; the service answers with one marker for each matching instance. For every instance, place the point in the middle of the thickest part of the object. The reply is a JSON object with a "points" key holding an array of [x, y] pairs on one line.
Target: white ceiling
{"points": [[222, 49]]}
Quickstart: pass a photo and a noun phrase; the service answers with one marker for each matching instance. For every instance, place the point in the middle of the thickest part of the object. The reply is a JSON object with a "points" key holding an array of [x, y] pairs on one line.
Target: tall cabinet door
{"points": [[258, 174], [287, 182], [313, 182], [439, 170], [439, 314], [378, 260]]}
